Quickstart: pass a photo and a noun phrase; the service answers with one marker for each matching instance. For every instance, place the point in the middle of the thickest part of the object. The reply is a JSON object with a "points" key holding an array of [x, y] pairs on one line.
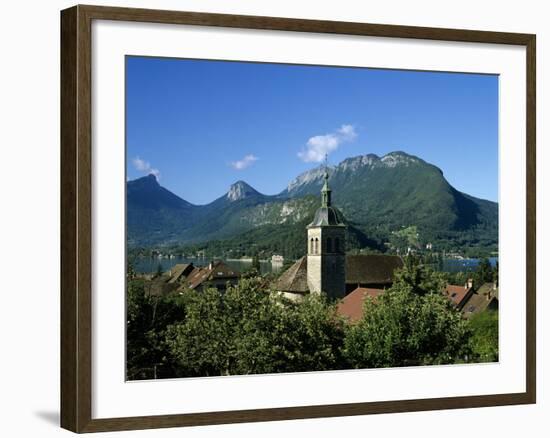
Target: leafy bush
{"points": [[248, 331], [484, 340], [147, 319], [410, 324], [402, 329]]}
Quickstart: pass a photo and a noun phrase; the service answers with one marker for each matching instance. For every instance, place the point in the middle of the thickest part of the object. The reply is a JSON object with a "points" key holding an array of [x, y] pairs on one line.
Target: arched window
{"points": [[336, 245], [316, 246], [311, 246], [329, 244]]}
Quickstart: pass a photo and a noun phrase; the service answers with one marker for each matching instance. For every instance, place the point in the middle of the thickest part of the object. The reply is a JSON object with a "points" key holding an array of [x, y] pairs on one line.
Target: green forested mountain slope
{"points": [[377, 195]]}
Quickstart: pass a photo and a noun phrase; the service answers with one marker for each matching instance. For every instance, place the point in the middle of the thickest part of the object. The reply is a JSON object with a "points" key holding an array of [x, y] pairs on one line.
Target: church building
{"points": [[326, 256], [326, 268]]}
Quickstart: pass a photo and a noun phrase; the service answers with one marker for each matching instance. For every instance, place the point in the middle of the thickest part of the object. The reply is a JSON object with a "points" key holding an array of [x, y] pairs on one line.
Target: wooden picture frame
{"points": [[76, 218]]}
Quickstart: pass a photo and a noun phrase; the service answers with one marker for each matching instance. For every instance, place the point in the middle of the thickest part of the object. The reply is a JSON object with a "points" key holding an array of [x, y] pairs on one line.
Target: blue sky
{"points": [[202, 125]]}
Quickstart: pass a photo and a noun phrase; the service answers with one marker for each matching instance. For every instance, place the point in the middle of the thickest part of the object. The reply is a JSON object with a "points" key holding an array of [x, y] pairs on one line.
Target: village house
{"points": [[459, 295], [485, 298], [217, 274], [178, 273], [185, 276]]}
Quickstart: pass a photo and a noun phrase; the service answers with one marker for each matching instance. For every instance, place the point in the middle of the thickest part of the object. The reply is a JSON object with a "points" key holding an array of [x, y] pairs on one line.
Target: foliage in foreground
{"points": [[484, 340], [147, 320], [248, 330], [402, 329]]}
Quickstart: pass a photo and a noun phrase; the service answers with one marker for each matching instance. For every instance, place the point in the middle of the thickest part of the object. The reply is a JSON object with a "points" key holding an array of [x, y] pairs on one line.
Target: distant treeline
{"points": [[289, 241]]}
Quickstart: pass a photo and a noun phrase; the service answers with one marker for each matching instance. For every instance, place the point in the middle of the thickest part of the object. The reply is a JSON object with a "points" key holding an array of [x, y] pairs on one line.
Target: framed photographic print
{"points": [[270, 218]]}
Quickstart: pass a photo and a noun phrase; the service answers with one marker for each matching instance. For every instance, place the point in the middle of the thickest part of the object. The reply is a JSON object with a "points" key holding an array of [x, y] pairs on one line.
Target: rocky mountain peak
{"points": [[355, 163], [316, 174], [396, 158], [149, 180], [240, 190]]}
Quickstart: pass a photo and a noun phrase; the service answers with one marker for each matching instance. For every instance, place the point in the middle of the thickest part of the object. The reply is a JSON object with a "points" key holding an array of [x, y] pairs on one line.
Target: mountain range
{"points": [[376, 195]]}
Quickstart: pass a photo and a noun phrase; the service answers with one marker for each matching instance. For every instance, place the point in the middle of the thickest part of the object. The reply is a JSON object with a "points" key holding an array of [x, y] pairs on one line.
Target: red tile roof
{"points": [[217, 270], [457, 294], [196, 277], [486, 297], [181, 269], [351, 305]]}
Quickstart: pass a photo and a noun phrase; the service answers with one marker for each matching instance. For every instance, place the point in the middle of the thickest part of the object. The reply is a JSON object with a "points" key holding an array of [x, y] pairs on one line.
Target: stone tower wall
{"points": [[326, 270], [313, 261]]}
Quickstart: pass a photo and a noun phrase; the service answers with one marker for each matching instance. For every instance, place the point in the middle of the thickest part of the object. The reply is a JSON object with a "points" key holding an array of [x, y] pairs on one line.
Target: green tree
{"points": [[410, 324], [130, 271], [256, 263], [418, 279], [317, 335], [459, 278], [402, 329], [159, 271], [147, 319], [440, 263], [254, 270], [484, 340], [248, 330], [484, 272], [495, 273]]}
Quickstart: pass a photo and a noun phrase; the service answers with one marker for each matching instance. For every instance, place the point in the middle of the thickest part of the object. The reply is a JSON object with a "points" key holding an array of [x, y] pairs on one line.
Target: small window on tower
{"points": [[336, 245], [316, 245], [329, 244], [311, 246]]}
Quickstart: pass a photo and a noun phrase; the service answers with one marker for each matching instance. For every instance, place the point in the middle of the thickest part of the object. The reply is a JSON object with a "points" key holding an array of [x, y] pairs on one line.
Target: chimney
{"points": [[211, 264], [470, 283]]}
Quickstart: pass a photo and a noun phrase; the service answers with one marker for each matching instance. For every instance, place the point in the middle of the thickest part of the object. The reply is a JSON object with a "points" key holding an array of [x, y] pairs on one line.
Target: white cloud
{"points": [[145, 167], [319, 145], [347, 132], [247, 161]]}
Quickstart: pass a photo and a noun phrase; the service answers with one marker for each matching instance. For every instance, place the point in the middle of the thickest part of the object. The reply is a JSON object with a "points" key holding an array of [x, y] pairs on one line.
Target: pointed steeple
{"points": [[326, 214], [326, 243], [325, 191]]}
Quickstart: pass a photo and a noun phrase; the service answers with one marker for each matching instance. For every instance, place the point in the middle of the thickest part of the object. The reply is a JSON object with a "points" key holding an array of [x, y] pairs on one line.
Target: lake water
{"points": [[150, 264], [465, 265]]}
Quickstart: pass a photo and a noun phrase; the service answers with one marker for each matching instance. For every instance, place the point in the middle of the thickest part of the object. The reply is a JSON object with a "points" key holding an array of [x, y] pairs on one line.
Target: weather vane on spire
{"points": [[326, 165]]}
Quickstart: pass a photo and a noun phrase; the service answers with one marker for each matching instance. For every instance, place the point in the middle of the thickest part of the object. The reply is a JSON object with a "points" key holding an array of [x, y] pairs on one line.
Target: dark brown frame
{"points": [[76, 177]]}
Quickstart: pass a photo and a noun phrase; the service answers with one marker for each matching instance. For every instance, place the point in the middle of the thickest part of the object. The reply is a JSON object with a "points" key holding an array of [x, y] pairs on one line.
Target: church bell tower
{"points": [[326, 243]]}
